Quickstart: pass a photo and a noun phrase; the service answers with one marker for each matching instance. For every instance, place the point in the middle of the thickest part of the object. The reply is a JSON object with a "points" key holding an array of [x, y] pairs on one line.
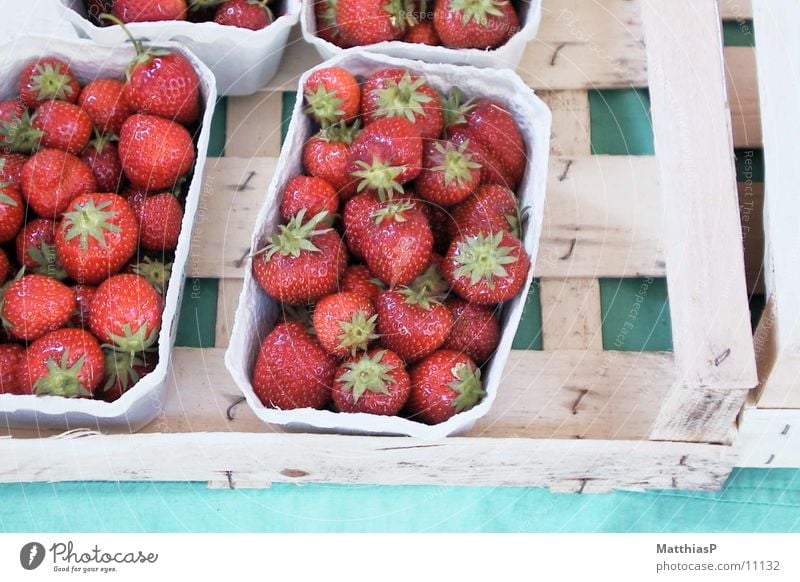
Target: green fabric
{"points": [[738, 33], [198, 318], [635, 315], [620, 122], [529, 333]]}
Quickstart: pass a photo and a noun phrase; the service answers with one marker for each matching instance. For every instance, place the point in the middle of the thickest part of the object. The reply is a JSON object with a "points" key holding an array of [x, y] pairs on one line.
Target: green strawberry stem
{"points": [[426, 290], [398, 15], [19, 134], [392, 211], [455, 162], [295, 237], [329, 18], [368, 373], [131, 342], [341, 132], [142, 55], [379, 176], [100, 140], [90, 220], [358, 332], [455, 109], [403, 98], [468, 385], [156, 273], [47, 262], [477, 10], [324, 105], [481, 258], [121, 367], [50, 83], [62, 379]]}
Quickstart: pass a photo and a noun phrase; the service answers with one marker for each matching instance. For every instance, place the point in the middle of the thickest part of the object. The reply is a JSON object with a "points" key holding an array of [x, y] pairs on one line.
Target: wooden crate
{"points": [[573, 417]]}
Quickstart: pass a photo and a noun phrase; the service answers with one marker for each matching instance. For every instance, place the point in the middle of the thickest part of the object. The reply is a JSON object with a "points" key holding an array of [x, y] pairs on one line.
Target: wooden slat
{"points": [[254, 125], [736, 9], [227, 300], [571, 125], [740, 69], [571, 314], [769, 439]]}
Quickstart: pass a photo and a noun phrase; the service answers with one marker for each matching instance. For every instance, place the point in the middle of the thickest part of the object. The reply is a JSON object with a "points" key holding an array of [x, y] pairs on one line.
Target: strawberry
{"points": [[440, 220], [105, 103], [475, 331], [386, 155], [358, 279], [155, 152], [422, 32], [149, 10], [11, 356], [51, 179], [12, 212], [345, 323], [102, 156], [395, 92], [160, 217], [156, 272], [486, 268], [301, 263], [492, 208], [45, 80], [315, 195], [450, 173], [333, 95], [97, 236], [126, 313], [34, 304], [442, 385], [357, 218], [327, 156], [251, 14], [16, 133], [11, 169], [292, 370], [398, 243], [66, 362], [362, 22], [84, 295], [63, 126], [5, 267], [36, 250], [375, 382], [122, 371], [480, 24], [325, 15]]}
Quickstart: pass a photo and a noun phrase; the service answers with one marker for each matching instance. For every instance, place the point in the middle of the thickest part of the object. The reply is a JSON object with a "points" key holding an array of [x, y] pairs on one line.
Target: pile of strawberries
{"points": [[395, 251], [250, 14], [478, 24], [90, 214]]}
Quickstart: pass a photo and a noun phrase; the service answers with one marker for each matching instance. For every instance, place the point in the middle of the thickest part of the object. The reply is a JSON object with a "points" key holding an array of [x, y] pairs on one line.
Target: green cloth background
{"points": [[752, 500]]}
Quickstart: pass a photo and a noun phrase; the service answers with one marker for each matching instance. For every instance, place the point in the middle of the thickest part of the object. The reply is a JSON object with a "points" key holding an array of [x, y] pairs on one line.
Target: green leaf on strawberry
{"points": [[403, 98], [482, 258], [90, 220], [468, 385], [477, 10], [62, 379], [295, 237], [47, 262], [455, 162], [379, 176], [368, 373], [131, 342], [50, 82], [358, 332]]}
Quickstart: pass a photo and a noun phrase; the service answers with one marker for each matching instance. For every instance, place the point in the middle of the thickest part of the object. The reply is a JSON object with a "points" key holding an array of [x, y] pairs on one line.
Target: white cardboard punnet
{"points": [[257, 313], [242, 60], [505, 57], [143, 401]]}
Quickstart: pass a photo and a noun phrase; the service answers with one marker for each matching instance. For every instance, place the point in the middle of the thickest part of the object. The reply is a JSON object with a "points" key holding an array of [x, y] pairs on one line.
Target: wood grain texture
{"points": [[740, 74], [254, 125], [571, 314]]}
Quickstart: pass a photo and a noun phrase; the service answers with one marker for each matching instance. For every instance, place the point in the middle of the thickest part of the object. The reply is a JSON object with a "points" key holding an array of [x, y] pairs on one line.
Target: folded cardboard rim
{"points": [[256, 312]]}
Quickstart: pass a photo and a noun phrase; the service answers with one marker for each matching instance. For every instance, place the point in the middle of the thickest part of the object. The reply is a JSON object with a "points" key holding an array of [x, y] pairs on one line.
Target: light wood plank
{"points": [[740, 70], [571, 314], [769, 439], [571, 126], [736, 9], [227, 300], [254, 125]]}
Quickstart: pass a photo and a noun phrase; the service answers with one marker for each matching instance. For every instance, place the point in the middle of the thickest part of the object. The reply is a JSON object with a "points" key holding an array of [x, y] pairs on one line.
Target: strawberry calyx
{"points": [[379, 176], [340, 132], [62, 379], [477, 10], [132, 342], [329, 18], [455, 162], [295, 237], [368, 373], [46, 260], [155, 272], [5, 198], [299, 314], [427, 290], [90, 220], [392, 211], [397, 12], [100, 140], [357, 332], [455, 109], [324, 105], [402, 98], [482, 258], [513, 223], [142, 55], [121, 368], [468, 385], [50, 82], [19, 135]]}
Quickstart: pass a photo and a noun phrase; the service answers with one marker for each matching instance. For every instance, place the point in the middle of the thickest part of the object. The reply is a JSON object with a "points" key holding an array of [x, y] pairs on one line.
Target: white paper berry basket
{"points": [[256, 313], [242, 60], [143, 401], [506, 56]]}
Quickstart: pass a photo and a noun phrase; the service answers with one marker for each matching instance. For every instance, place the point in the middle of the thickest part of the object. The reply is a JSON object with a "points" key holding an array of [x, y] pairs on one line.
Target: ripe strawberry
{"points": [[327, 156], [292, 370], [357, 218], [345, 323], [155, 152], [66, 362], [386, 155], [36, 250], [102, 156], [301, 263], [325, 14], [373, 383], [394, 92], [51, 179], [442, 385], [440, 220], [160, 217], [398, 243], [104, 101], [156, 272], [412, 322], [480, 24], [450, 173], [422, 32], [333, 95], [358, 279], [362, 22], [251, 14], [149, 10], [63, 126], [486, 268], [492, 208], [11, 169], [34, 304], [12, 212], [475, 331], [84, 295], [10, 359], [126, 313], [315, 195], [45, 80], [97, 236], [5, 267], [122, 372]]}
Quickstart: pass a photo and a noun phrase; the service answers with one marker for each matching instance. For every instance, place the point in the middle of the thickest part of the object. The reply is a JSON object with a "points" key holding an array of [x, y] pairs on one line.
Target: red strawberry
{"points": [[345, 323], [11, 169], [104, 101], [149, 10], [357, 218], [363, 22], [333, 95], [386, 155], [66, 362], [487, 268], [63, 126], [126, 313], [5, 267], [102, 156], [156, 272], [292, 370], [51, 179], [327, 156], [34, 304], [251, 14], [325, 14], [358, 279], [315, 195], [84, 295], [10, 360], [160, 217], [395, 92], [97, 236], [493, 208], [442, 385], [476, 330], [422, 32], [301, 263], [12, 212], [398, 243], [36, 249], [45, 80], [155, 152], [450, 173], [480, 24], [374, 383], [440, 220], [122, 372]]}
